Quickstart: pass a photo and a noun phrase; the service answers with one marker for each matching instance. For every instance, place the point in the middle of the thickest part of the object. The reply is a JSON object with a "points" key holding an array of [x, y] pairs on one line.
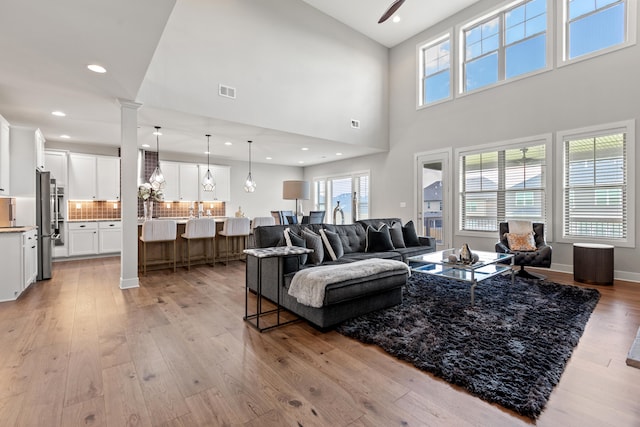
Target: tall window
{"points": [[352, 191], [596, 194], [594, 25], [435, 70], [498, 185], [504, 44]]}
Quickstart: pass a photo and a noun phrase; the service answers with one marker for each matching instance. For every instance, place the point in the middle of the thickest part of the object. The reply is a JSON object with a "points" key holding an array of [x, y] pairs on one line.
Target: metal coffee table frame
{"points": [[489, 264]]}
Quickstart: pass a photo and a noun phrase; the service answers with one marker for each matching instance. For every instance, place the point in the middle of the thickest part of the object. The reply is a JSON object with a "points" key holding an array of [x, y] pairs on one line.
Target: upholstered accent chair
{"points": [[540, 257]]}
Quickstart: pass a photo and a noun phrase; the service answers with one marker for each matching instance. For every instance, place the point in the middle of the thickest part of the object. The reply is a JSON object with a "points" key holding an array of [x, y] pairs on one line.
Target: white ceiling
{"points": [[45, 47]]}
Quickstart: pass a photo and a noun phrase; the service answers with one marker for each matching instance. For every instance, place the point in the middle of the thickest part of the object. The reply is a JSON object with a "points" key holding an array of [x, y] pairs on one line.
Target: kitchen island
{"points": [[159, 256]]}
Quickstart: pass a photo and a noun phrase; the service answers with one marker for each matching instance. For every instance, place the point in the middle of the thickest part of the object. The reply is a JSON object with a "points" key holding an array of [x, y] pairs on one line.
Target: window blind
{"points": [[595, 187]]}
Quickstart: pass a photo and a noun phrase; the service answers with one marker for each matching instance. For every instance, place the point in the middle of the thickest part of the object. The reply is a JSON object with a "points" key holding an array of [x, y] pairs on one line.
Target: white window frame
{"points": [[547, 140], [460, 29], [354, 176], [563, 36], [627, 127], [420, 48]]}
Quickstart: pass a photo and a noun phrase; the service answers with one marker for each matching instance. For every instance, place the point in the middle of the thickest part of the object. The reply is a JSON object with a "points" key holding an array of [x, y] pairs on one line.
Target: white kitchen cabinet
{"points": [[40, 150], [181, 181], [82, 177], [56, 163], [5, 161], [94, 177], [30, 256], [189, 182], [18, 262], [108, 178], [83, 238], [222, 177], [109, 236]]}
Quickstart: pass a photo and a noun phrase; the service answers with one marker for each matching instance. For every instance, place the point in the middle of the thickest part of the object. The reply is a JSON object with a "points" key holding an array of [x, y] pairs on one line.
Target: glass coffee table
{"points": [[488, 265]]}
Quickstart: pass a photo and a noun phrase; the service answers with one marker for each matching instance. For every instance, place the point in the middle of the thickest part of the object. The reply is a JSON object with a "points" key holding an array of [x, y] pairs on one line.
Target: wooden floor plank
{"points": [[77, 350]]}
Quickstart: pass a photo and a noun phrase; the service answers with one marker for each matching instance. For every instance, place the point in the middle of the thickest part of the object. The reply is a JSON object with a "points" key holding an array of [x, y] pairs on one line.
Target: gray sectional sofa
{"points": [[346, 299]]}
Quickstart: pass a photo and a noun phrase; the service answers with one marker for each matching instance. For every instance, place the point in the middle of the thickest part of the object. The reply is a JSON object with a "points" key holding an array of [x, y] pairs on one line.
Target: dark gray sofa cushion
{"points": [[353, 236], [378, 240]]}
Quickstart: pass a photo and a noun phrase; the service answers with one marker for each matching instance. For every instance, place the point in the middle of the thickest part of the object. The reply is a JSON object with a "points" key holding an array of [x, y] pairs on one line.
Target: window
{"points": [[501, 184], [596, 25], [596, 179], [507, 43], [435, 71], [350, 191]]}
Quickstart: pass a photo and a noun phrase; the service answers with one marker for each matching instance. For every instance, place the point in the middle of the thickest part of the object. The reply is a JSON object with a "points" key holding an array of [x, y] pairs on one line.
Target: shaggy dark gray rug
{"points": [[510, 348]]}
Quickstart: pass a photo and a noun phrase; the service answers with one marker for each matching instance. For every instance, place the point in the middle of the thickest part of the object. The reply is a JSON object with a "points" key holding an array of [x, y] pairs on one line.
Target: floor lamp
{"points": [[296, 190]]}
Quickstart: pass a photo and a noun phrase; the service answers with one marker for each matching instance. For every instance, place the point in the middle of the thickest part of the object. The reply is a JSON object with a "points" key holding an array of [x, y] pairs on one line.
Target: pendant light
{"points": [[157, 178], [208, 184], [249, 184]]}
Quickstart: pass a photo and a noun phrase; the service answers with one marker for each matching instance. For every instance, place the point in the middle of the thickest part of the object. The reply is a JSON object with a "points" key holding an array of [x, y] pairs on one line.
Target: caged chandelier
{"points": [[208, 183], [249, 184], [157, 180]]}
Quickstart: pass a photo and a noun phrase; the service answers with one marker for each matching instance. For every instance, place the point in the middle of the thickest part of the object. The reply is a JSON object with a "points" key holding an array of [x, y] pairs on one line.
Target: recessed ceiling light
{"points": [[157, 133], [396, 19], [228, 143], [65, 136], [338, 154], [269, 158], [304, 149], [301, 161], [207, 152], [58, 113], [97, 68], [145, 145]]}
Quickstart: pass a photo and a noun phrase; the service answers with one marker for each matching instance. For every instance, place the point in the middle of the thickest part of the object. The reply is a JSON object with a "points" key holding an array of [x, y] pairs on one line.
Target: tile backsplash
{"points": [[85, 210]]}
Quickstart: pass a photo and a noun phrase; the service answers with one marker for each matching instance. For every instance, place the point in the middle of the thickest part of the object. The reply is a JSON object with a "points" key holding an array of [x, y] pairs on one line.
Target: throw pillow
{"points": [[293, 239], [378, 240], [521, 242], [332, 244], [409, 234], [396, 235], [313, 242]]}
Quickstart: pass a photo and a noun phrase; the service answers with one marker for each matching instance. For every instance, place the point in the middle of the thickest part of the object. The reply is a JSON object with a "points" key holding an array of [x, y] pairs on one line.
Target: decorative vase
{"points": [[338, 210], [148, 209]]}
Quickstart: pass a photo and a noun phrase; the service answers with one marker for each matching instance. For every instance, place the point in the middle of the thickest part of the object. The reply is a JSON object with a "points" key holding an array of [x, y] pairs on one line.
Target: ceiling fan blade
{"points": [[392, 9]]}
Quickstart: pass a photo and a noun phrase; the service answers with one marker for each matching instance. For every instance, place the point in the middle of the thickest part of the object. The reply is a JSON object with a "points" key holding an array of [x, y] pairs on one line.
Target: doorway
{"points": [[434, 197]]}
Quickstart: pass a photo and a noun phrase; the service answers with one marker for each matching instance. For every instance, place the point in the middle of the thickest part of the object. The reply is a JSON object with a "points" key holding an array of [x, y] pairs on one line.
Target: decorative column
{"points": [[129, 193]]}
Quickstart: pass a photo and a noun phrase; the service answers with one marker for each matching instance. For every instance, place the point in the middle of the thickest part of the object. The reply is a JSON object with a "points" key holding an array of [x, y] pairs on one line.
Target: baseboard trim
{"points": [[129, 283], [617, 274]]}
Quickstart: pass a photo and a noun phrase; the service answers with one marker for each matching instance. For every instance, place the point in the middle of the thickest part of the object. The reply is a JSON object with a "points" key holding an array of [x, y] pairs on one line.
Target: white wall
{"points": [[596, 91], [294, 68]]}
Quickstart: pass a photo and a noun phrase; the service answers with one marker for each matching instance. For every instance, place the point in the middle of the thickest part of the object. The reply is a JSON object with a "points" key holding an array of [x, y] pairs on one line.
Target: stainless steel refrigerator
{"points": [[45, 202]]}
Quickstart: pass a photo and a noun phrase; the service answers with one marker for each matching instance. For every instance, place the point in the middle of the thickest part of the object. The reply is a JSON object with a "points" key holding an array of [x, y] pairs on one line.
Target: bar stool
{"points": [[235, 227], [259, 221], [201, 229], [158, 231]]}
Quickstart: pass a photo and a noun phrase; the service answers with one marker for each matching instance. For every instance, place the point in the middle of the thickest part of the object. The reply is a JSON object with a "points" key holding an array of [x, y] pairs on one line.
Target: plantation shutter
{"points": [[595, 186]]}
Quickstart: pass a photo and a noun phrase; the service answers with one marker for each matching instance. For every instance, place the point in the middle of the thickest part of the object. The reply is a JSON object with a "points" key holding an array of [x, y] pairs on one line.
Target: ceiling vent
{"points": [[227, 91], [355, 124]]}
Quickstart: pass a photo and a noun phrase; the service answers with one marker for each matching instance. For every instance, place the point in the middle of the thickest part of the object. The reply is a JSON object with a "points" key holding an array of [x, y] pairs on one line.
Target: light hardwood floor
{"points": [[78, 351]]}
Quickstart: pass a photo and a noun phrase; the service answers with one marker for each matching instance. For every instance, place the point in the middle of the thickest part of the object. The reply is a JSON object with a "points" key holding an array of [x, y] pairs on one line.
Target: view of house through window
{"points": [[344, 198], [502, 185]]}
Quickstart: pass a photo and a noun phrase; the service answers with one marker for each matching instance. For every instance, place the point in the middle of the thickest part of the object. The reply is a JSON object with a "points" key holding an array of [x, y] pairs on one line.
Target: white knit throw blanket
{"points": [[308, 285]]}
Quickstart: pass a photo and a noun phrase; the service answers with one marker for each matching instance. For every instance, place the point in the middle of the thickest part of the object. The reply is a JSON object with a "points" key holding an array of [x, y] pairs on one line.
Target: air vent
{"points": [[355, 124], [227, 91]]}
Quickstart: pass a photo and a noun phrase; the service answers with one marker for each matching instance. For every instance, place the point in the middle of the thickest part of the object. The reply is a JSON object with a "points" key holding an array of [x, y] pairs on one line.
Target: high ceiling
{"points": [[47, 45]]}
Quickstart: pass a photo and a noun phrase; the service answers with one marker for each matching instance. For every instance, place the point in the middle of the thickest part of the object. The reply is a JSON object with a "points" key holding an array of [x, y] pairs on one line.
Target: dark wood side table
{"points": [[280, 252], [593, 263]]}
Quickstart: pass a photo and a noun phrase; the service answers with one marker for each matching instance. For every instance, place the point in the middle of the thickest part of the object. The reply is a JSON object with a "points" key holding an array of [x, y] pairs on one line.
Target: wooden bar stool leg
{"points": [[174, 256]]}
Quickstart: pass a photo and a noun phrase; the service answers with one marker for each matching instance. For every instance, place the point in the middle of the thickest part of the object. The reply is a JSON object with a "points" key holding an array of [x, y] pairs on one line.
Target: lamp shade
{"points": [[295, 190]]}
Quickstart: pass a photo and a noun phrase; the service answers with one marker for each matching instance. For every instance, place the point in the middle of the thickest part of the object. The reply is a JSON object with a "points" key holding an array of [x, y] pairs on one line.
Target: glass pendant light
{"points": [[249, 184], [157, 178], [208, 184]]}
